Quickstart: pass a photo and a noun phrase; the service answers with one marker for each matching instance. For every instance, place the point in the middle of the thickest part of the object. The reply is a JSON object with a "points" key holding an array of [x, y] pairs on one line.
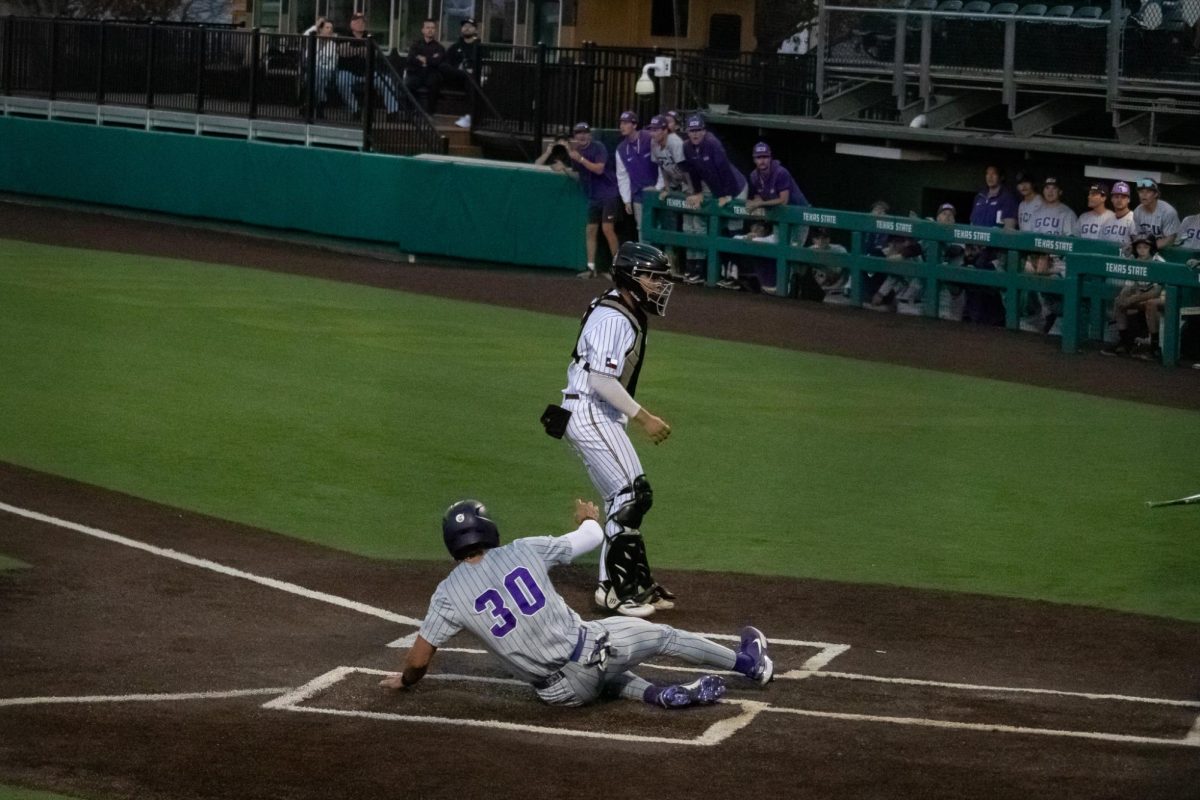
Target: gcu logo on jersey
{"points": [[460, 518]]}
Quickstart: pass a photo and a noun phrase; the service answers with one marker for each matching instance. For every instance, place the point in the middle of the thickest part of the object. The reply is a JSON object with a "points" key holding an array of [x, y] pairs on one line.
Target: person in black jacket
{"points": [[425, 59], [463, 61]]}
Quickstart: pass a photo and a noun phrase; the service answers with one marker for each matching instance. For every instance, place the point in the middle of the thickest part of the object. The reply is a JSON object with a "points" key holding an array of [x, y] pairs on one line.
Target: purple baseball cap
{"points": [[629, 116], [582, 127], [762, 149], [695, 123], [1120, 187], [673, 114], [657, 123], [946, 207]]}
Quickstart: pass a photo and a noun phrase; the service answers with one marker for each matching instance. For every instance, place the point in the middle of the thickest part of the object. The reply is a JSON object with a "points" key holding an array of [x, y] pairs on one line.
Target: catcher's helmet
{"points": [[644, 270], [466, 527]]}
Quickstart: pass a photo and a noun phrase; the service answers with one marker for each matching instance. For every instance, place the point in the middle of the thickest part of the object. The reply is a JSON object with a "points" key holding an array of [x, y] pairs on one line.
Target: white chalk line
{"points": [[986, 727], [1194, 734], [213, 566], [139, 698], [984, 688], [715, 734], [807, 672]]}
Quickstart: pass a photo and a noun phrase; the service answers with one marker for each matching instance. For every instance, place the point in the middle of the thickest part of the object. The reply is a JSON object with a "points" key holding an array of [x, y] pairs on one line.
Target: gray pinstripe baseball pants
{"points": [[631, 641]]}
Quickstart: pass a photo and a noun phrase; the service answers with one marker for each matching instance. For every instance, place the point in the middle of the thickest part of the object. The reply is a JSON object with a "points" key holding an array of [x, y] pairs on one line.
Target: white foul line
{"points": [[715, 734], [204, 563], [985, 727], [138, 698], [978, 688]]}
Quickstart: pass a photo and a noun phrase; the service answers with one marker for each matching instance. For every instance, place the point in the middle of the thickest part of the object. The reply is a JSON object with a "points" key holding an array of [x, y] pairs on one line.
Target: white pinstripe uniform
{"points": [[611, 342], [508, 601]]}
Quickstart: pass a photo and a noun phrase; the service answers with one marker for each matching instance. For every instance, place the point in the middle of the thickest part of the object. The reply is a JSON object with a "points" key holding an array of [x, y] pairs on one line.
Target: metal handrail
{"points": [[194, 68]]}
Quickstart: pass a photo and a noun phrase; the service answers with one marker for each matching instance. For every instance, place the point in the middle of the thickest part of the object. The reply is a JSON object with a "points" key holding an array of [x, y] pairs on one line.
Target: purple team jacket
{"points": [[768, 184], [642, 170], [707, 162]]}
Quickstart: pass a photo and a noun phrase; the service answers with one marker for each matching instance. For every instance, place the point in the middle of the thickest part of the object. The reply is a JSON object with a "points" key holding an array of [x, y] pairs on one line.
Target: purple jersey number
{"points": [[526, 595]]}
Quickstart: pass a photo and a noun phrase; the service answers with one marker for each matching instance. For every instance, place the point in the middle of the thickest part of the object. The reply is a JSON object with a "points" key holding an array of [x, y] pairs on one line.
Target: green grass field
{"points": [[7, 562], [351, 416], [16, 793]]}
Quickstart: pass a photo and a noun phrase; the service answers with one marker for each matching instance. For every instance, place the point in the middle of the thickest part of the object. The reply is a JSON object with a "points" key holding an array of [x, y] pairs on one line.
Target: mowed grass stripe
{"points": [[351, 416]]}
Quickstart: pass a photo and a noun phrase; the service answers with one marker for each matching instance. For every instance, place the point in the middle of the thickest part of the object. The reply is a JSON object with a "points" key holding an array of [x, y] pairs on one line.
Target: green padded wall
{"points": [[486, 211]]}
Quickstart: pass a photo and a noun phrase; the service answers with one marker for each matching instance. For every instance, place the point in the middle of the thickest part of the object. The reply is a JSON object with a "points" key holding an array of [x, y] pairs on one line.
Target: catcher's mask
{"points": [[644, 270], [466, 527]]}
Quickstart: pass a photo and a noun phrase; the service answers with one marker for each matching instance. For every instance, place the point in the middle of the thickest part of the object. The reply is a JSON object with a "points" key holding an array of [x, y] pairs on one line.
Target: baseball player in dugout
{"points": [[598, 403], [504, 596]]}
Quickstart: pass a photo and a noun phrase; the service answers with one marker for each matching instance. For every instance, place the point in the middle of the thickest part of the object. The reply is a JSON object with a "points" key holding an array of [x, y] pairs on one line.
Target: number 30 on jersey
{"points": [[523, 592]]}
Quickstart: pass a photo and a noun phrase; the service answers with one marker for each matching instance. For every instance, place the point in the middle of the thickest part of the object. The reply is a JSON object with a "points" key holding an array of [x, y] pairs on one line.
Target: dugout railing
{"points": [[1092, 276], [1083, 299]]}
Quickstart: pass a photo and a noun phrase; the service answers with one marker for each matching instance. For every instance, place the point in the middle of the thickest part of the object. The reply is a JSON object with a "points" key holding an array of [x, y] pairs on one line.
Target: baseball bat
{"points": [[1182, 501]]}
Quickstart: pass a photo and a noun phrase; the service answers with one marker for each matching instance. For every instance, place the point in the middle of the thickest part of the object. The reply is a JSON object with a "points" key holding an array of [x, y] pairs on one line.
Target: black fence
{"points": [[540, 90], [341, 82]]}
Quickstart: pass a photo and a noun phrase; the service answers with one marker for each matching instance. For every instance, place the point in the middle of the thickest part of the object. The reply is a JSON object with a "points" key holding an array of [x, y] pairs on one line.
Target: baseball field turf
{"points": [[351, 416]]}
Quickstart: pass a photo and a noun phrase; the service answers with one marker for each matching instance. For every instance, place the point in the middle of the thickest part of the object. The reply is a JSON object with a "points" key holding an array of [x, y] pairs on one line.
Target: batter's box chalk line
{"points": [[813, 668], [826, 652], [716, 733], [158, 697]]}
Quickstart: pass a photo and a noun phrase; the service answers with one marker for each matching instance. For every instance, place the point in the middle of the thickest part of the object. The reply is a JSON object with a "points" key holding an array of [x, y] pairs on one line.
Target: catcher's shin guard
{"points": [[628, 569]]}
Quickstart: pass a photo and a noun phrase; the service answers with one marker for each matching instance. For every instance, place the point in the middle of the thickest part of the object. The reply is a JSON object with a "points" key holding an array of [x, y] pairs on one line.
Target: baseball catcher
{"points": [[598, 403]]}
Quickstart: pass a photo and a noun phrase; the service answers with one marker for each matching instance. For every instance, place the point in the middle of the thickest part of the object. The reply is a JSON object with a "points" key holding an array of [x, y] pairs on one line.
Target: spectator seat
{"points": [[1061, 12], [950, 5], [977, 7], [1033, 10], [1173, 16], [1151, 16], [914, 22], [1088, 12], [1004, 9]]}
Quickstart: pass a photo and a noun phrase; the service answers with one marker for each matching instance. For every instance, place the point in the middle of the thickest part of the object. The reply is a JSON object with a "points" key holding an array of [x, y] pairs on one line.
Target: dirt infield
{"points": [[916, 694], [149, 652]]}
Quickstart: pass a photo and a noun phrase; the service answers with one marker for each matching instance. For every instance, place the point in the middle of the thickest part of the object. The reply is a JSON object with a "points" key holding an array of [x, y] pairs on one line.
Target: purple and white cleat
{"points": [[754, 646], [704, 691]]}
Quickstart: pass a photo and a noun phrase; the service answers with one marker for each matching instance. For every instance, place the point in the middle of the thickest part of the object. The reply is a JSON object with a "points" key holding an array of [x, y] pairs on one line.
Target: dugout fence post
{"points": [[101, 57], [7, 66], [368, 104], [539, 97], [201, 56], [255, 55], [150, 31], [53, 88]]}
